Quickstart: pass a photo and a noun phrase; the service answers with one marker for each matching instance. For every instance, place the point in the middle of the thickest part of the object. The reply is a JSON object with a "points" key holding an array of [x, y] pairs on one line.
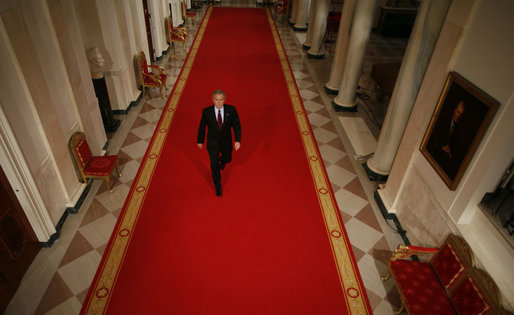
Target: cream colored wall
{"points": [[476, 42]]}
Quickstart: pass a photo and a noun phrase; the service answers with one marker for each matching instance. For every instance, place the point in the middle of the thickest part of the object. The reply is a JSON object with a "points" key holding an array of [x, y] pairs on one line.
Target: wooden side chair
{"points": [[188, 14], [152, 75], [92, 166], [177, 34]]}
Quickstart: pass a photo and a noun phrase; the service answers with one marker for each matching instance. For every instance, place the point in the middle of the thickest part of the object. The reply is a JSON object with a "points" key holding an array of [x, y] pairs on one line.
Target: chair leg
{"points": [[118, 171], [400, 310], [108, 181], [84, 178], [143, 88]]}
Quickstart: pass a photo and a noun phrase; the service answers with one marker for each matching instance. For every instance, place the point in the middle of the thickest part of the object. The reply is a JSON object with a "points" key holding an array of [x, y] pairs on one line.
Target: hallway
{"points": [[59, 278]]}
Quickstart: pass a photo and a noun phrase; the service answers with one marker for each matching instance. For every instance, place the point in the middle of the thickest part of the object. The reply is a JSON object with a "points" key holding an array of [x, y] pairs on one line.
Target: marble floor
{"points": [[59, 278]]}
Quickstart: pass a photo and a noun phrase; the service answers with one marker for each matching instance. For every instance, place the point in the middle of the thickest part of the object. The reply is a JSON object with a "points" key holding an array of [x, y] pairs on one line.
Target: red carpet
{"points": [[274, 243]]}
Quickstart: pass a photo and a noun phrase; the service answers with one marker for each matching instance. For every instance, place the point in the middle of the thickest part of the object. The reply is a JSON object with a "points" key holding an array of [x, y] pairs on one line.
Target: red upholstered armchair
{"points": [[152, 75], [92, 166], [177, 34], [448, 283]]}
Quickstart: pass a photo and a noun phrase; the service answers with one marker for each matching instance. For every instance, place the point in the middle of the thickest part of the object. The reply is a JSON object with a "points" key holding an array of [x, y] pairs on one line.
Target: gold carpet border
{"points": [[348, 271], [107, 278]]}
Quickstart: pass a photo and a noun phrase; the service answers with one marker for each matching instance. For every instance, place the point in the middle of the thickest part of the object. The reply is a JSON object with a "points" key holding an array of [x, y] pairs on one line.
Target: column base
{"points": [[339, 108], [372, 175], [330, 91], [299, 29], [311, 56], [306, 47]]}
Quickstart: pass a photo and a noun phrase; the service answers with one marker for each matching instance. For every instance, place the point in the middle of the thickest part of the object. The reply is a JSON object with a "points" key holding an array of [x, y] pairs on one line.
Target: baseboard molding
{"points": [[132, 104], [69, 210], [394, 218]]}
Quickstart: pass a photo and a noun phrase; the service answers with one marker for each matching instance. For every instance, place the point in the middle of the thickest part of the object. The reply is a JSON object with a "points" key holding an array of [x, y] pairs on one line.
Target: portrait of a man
{"points": [[460, 119]]}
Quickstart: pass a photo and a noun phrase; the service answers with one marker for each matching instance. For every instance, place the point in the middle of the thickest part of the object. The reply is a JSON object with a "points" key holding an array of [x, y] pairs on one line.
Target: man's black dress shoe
{"points": [[218, 192]]}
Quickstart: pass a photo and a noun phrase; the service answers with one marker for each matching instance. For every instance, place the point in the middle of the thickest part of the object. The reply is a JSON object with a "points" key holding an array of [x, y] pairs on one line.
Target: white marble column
{"points": [[301, 16], [319, 27], [425, 32], [158, 33], [310, 28], [294, 11], [39, 102], [138, 18], [176, 8], [102, 27], [67, 28], [342, 41], [359, 36], [24, 151]]}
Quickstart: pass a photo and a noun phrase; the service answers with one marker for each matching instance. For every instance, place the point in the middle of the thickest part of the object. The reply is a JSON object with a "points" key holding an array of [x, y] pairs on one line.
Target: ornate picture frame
{"points": [[461, 117]]}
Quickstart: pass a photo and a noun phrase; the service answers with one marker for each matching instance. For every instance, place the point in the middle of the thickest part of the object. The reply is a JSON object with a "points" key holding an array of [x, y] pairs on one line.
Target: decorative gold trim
{"points": [[100, 296], [351, 285]]}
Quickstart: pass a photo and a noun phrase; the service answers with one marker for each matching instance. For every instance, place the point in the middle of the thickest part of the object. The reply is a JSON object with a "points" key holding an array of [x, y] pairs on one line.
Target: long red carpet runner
{"points": [[275, 242]]}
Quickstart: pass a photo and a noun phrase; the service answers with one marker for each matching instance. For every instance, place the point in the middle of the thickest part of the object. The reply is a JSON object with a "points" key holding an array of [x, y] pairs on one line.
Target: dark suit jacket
{"points": [[219, 139]]}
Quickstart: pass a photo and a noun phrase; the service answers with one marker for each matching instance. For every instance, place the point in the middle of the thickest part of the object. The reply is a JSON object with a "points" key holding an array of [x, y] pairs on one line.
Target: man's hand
{"points": [[237, 145], [200, 145]]}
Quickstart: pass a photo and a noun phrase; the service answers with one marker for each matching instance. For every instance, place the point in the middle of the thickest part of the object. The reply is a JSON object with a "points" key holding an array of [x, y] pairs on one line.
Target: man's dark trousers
{"points": [[219, 141]]}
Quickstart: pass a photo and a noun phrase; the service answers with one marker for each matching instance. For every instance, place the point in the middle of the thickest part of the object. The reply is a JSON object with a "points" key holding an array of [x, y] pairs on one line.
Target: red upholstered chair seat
{"points": [[155, 80], [419, 284], [448, 265], [468, 299], [101, 165], [176, 35]]}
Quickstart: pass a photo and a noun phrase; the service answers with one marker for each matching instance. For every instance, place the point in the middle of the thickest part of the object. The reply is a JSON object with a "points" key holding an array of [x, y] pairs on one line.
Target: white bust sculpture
{"points": [[97, 62]]}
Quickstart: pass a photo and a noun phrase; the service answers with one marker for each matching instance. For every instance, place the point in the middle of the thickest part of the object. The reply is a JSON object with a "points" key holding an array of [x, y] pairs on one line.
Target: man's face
{"points": [[218, 100], [458, 112]]}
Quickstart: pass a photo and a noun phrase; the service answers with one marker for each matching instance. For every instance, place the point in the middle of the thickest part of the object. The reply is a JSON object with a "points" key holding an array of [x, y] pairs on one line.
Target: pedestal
{"points": [[110, 124]]}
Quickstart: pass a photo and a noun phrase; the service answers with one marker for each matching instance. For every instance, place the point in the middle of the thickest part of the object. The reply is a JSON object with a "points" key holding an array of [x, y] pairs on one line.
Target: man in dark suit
{"points": [[220, 119]]}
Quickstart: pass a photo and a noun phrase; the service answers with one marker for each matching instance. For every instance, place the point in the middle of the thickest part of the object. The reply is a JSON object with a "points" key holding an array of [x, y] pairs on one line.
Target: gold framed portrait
{"points": [[460, 119]]}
